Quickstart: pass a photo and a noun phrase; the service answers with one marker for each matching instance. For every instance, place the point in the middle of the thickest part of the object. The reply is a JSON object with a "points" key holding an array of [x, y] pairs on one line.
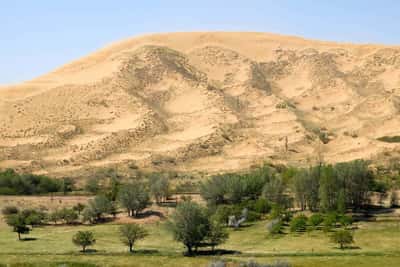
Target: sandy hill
{"points": [[205, 102]]}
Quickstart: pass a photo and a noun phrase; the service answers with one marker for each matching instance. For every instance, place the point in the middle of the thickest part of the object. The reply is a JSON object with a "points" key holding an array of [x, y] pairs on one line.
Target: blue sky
{"points": [[38, 36]]}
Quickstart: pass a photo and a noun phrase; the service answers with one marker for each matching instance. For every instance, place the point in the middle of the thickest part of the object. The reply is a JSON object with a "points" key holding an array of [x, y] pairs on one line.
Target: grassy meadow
{"points": [[377, 243]]}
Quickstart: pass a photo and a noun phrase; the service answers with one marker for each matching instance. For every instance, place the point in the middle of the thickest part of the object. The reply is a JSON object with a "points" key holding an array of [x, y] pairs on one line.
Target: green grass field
{"points": [[376, 244]]}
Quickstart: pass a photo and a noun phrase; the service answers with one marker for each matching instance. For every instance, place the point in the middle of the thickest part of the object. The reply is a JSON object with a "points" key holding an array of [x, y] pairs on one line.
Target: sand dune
{"points": [[217, 101]]}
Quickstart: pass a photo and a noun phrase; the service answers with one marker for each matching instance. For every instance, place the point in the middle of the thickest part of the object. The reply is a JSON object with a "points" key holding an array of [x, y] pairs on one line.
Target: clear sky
{"points": [[38, 36]]}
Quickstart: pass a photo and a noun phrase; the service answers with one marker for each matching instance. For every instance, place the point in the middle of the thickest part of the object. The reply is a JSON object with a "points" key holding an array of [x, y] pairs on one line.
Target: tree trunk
{"points": [[189, 250], [131, 247], [19, 236], [84, 248]]}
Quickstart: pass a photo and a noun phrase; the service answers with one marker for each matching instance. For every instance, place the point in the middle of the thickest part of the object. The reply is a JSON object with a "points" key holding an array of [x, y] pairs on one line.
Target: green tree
{"points": [[315, 220], [343, 238], [159, 187], [96, 208], [130, 233], [189, 224], [217, 234], [134, 198], [18, 223], [83, 239], [93, 185]]}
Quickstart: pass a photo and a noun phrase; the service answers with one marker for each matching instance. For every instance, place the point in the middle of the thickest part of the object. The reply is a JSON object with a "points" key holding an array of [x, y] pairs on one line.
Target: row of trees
{"points": [[321, 188], [12, 183]]}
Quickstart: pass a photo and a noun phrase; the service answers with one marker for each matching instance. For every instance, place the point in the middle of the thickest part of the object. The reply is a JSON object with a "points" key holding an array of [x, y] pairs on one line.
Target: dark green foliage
{"points": [[134, 197], [235, 188], [262, 206], [67, 185], [130, 233], [315, 220], [343, 238], [189, 225], [83, 239], [18, 223], [33, 217], [298, 223], [12, 183], [345, 220]]}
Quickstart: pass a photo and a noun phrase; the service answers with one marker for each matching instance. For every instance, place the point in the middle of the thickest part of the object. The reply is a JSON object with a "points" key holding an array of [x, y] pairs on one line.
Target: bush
{"points": [[315, 220], [274, 227], [345, 220], [330, 221], [299, 223], [218, 263], [262, 206], [8, 210]]}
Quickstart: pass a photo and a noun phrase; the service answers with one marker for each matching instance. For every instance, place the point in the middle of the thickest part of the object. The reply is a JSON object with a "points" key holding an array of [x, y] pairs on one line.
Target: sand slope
{"points": [[205, 102]]}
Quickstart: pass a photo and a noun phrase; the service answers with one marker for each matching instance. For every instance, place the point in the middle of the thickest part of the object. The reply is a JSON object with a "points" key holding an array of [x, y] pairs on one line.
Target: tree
{"points": [[159, 187], [217, 234], [130, 233], [92, 185], [69, 216], [96, 208], [343, 238], [79, 208], [67, 185], [274, 190], [83, 239], [134, 198], [189, 225], [18, 223]]}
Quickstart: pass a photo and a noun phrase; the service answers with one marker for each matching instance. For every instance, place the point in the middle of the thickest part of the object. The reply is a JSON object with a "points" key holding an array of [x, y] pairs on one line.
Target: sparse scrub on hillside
{"points": [[390, 139]]}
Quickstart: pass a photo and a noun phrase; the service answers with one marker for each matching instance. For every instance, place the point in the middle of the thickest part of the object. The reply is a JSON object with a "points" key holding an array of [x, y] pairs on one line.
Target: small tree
{"points": [[83, 239], [217, 234], [343, 238], [92, 185], [18, 223], [130, 233], [274, 226], [189, 225], [96, 208]]}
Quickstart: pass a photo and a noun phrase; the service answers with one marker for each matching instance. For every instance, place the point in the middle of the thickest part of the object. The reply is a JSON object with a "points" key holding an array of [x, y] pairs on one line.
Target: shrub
{"points": [[218, 263], [345, 220], [299, 223], [217, 234], [83, 239], [262, 206], [315, 220], [330, 221], [274, 227], [343, 238], [8, 210]]}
